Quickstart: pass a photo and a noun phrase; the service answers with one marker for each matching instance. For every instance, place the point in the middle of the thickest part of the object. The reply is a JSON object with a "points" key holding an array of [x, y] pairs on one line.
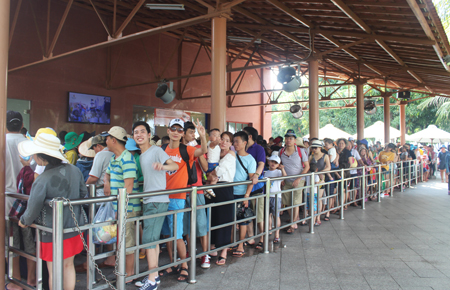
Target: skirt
{"points": [[72, 246]]}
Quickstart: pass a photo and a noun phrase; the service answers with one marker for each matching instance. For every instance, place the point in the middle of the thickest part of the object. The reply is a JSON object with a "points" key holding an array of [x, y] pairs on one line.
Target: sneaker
{"points": [[206, 262], [149, 286], [141, 283]]}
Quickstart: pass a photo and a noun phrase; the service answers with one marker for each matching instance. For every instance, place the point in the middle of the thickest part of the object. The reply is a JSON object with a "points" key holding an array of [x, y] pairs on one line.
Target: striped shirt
{"points": [[119, 169]]}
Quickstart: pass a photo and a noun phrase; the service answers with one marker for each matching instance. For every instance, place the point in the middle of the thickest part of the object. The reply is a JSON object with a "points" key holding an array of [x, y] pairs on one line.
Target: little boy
{"points": [[213, 149], [275, 170]]}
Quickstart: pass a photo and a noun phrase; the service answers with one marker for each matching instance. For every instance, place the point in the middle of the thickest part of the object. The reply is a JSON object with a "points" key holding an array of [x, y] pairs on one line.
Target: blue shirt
{"points": [[249, 163]]}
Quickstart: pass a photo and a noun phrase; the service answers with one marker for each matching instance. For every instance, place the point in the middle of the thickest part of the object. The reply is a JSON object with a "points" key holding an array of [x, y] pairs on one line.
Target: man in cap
{"points": [[179, 179], [122, 173], [295, 162], [13, 164]]}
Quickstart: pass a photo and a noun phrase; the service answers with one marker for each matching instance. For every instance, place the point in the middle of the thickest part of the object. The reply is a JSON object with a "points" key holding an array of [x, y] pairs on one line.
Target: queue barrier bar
{"points": [[414, 170]]}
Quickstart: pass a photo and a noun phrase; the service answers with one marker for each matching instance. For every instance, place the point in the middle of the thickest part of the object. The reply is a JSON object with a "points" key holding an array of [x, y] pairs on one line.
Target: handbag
{"points": [[18, 208], [353, 162], [243, 212]]}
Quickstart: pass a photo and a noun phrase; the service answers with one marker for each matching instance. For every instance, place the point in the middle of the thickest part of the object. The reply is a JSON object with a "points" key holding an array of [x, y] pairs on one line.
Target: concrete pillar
{"points": [[218, 73], [360, 109], [314, 99], [402, 123], [4, 42], [387, 119]]}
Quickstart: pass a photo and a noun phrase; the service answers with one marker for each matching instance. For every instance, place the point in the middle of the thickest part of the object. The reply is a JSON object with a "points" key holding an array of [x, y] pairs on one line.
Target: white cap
{"points": [[176, 122], [305, 139], [275, 157], [351, 139]]}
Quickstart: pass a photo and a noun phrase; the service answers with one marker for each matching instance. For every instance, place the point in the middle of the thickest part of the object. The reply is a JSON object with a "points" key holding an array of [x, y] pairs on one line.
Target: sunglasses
{"points": [[174, 129]]}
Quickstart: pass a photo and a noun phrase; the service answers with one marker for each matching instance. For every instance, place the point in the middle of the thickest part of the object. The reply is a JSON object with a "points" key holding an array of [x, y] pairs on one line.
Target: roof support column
{"points": [[219, 73], [4, 43], [402, 123], [360, 109], [313, 98], [387, 119]]}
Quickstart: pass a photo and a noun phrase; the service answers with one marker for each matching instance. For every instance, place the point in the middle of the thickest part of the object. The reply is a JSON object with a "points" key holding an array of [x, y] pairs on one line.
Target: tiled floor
{"points": [[401, 243]]}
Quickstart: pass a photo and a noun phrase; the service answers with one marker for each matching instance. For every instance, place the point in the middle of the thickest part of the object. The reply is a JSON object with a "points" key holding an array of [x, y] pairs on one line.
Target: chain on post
{"points": [[91, 257]]}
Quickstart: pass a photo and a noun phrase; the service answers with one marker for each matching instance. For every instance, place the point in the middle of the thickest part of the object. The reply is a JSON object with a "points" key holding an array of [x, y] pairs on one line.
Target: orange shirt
{"points": [[178, 178]]}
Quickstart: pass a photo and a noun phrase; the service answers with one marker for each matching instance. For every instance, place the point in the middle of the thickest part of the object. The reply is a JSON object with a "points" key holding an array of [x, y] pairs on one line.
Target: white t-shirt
{"points": [[275, 186], [12, 166], [227, 168], [213, 154], [332, 154]]}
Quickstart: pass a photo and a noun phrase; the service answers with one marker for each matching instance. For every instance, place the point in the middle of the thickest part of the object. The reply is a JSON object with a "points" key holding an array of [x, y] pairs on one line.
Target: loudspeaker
{"points": [[165, 92], [404, 95]]}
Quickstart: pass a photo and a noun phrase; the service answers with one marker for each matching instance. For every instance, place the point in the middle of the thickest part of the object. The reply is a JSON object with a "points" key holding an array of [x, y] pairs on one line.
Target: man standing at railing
{"points": [[386, 158], [122, 173], [179, 179], [154, 164], [295, 162]]}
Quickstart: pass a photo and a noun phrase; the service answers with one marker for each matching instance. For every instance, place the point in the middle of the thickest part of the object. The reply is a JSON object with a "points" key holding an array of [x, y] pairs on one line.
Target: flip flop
{"points": [[276, 240], [326, 218], [259, 246], [221, 261], [238, 254], [290, 231], [247, 244]]}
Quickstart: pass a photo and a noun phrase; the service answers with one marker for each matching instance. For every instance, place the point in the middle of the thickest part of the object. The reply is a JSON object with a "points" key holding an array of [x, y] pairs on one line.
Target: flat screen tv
{"points": [[92, 109]]}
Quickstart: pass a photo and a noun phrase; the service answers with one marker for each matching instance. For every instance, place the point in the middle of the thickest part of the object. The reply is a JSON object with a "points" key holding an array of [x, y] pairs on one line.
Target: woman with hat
{"points": [[84, 163], [58, 180], [72, 142], [322, 162]]}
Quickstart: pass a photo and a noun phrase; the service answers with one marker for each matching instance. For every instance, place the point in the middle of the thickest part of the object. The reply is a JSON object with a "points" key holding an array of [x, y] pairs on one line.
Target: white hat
{"points": [[305, 139], [275, 157], [176, 122], [84, 148], [43, 143], [351, 139], [316, 143]]}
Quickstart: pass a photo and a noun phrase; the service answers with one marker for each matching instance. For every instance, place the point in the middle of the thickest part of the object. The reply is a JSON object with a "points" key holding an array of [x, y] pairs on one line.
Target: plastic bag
{"points": [[106, 234]]}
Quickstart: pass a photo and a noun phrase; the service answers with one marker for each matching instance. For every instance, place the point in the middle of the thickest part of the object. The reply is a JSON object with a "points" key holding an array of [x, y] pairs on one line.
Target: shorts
{"points": [[202, 220], [167, 229], [152, 226], [130, 231], [26, 236], [272, 205], [239, 197], [298, 194], [258, 205]]}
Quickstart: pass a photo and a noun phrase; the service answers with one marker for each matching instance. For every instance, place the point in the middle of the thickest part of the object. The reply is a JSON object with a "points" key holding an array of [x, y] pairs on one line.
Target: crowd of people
{"points": [[45, 167]]}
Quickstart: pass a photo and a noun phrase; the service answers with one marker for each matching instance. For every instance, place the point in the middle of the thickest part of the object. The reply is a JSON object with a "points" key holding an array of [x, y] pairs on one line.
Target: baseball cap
{"points": [[290, 133], [275, 157], [14, 117], [277, 140], [99, 139], [351, 139], [305, 139], [117, 132], [178, 122]]}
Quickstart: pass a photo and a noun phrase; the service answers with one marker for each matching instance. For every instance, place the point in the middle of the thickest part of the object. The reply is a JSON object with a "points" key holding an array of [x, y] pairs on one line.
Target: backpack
{"points": [[24, 182], [192, 171]]}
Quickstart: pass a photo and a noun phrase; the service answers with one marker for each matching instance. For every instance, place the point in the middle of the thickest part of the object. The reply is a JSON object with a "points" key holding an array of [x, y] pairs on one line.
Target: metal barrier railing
{"points": [[349, 190]]}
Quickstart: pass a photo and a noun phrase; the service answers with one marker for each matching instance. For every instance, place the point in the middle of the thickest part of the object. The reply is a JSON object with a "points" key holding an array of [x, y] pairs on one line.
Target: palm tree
{"points": [[443, 105]]}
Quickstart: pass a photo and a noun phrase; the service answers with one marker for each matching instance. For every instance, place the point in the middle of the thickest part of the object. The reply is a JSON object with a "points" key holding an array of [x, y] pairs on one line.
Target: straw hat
{"points": [[299, 142], [43, 143], [84, 148]]}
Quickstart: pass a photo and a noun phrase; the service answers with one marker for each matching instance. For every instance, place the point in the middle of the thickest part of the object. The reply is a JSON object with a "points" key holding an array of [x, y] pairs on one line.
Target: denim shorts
{"points": [[168, 227], [202, 218]]}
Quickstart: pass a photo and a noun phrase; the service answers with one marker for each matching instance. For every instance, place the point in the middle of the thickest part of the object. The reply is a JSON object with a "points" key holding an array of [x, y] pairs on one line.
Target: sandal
{"points": [[276, 240], [326, 218], [303, 224], [247, 244], [317, 224], [221, 261], [184, 276], [238, 254], [290, 231], [259, 246], [163, 273]]}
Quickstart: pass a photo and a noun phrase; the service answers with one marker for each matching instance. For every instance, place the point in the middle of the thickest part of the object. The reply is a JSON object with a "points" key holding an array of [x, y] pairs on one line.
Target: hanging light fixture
{"points": [[296, 111], [370, 107], [165, 92], [288, 77]]}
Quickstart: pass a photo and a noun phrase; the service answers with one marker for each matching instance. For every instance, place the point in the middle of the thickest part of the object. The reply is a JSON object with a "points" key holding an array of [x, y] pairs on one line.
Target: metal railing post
{"points": [[57, 239], [363, 188], [8, 256], [409, 173], [90, 267], [380, 183], [121, 248], [311, 202], [392, 178], [420, 170], [193, 237], [267, 216], [342, 194], [38, 261], [401, 176]]}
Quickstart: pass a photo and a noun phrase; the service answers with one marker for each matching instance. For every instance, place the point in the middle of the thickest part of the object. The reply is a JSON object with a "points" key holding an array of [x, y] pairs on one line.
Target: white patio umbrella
{"points": [[329, 131], [377, 131], [430, 135]]}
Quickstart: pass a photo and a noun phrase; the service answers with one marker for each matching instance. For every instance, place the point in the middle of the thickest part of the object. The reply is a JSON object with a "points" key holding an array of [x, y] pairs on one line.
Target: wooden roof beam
{"points": [[290, 12], [352, 15]]}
